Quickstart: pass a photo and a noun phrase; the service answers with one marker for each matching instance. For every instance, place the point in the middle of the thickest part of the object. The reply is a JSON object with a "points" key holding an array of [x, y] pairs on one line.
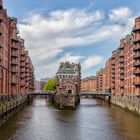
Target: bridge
{"points": [[94, 94], [50, 95], [83, 93], [38, 93]]}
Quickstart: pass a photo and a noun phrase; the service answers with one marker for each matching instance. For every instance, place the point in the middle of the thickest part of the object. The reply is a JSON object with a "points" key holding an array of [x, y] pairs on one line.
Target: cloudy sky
{"points": [[85, 31]]}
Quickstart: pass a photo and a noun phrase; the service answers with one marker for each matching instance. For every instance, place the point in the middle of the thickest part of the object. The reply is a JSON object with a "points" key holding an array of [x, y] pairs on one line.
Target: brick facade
{"points": [[16, 69], [88, 84], [136, 49], [121, 74], [68, 78]]}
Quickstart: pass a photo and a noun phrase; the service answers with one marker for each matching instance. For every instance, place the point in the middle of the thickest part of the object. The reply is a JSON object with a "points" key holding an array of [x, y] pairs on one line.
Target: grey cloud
{"points": [[47, 36]]}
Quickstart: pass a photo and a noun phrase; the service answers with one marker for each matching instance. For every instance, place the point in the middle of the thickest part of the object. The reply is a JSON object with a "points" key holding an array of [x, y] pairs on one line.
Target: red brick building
{"points": [[68, 85], [108, 71], [122, 67], [88, 84], [100, 81], [121, 74], [68, 78], [16, 69], [136, 49], [4, 47]]}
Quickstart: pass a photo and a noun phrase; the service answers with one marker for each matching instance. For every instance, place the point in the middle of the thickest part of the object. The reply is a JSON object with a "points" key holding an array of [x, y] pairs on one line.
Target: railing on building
{"points": [[136, 64], [137, 83], [136, 48], [137, 71], [136, 55]]}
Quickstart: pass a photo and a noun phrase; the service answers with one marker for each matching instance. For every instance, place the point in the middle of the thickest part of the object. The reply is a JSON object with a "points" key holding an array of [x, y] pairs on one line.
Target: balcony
{"points": [[14, 81], [113, 67], [121, 60], [0, 58], [22, 59], [137, 83], [14, 62], [0, 43], [22, 65], [112, 71], [113, 80], [137, 40], [113, 64], [113, 85], [121, 71], [14, 46], [14, 38], [31, 75], [113, 57], [121, 65], [27, 84], [1, 31], [136, 48], [14, 54], [27, 76], [136, 64], [27, 66], [122, 77], [136, 55], [14, 70], [137, 71], [27, 80], [112, 74], [136, 29], [1, 17], [121, 85], [121, 48], [23, 54], [22, 83], [1, 5], [22, 70], [22, 76], [121, 54]]}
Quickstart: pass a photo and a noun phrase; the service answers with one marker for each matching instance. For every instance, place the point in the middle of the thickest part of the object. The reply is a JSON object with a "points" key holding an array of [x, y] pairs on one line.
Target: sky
{"points": [[80, 31]]}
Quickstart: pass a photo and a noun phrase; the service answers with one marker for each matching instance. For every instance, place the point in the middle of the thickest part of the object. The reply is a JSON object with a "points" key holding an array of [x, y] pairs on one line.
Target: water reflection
{"points": [[93, 120]]}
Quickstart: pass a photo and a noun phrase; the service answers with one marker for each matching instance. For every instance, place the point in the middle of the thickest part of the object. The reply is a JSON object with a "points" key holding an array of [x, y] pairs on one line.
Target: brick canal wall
{"points": [[9, 106], [64, 102], [131, 103]]}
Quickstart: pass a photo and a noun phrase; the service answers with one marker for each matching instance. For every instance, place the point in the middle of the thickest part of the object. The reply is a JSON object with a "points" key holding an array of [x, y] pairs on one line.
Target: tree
{"points": [[50, 85]]}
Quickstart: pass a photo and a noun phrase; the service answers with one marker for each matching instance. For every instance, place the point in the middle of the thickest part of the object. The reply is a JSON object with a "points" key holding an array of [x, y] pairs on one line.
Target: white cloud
{"points": [[86, 63], [71, 58], [91, 61], [120, 15], [51, 67], [47, 36]]}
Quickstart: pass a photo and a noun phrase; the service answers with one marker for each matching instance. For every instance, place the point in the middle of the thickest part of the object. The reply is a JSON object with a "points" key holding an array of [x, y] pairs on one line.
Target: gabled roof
{"points": [[68, 68]]}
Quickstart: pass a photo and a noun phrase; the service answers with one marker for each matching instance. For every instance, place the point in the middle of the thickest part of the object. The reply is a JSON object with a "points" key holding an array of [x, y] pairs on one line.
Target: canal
{"points": [[93, 120]]}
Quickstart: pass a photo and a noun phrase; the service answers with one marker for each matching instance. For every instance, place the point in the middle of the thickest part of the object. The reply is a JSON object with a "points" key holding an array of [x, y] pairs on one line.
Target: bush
{"points": [[50, 85]]}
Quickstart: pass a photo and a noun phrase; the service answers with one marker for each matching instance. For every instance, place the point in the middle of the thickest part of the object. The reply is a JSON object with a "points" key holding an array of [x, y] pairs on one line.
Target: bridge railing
{"points": [[93, 94], [42, 93]]}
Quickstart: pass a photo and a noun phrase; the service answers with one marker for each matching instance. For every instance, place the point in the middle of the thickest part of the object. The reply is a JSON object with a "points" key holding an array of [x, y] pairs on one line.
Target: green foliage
{"points": [[50, 85]]}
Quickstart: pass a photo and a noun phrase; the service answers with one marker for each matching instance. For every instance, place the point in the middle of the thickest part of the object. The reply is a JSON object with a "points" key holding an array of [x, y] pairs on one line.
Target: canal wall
{"points": [[9, 106], [64, 102], [131, 103]]}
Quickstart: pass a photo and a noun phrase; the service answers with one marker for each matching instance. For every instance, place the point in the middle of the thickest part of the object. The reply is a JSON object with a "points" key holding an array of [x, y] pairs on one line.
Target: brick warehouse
{"points": [[88, 83], [121, 74], [16, 69], [68, 85], [68, 78]]}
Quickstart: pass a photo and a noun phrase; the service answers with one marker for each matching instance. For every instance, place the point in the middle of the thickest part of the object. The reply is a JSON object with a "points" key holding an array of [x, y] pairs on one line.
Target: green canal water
{"points": [[93, 120]]}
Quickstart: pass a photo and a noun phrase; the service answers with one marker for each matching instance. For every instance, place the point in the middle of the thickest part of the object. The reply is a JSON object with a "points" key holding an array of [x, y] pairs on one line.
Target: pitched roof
{"points": [[68, 68]]}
